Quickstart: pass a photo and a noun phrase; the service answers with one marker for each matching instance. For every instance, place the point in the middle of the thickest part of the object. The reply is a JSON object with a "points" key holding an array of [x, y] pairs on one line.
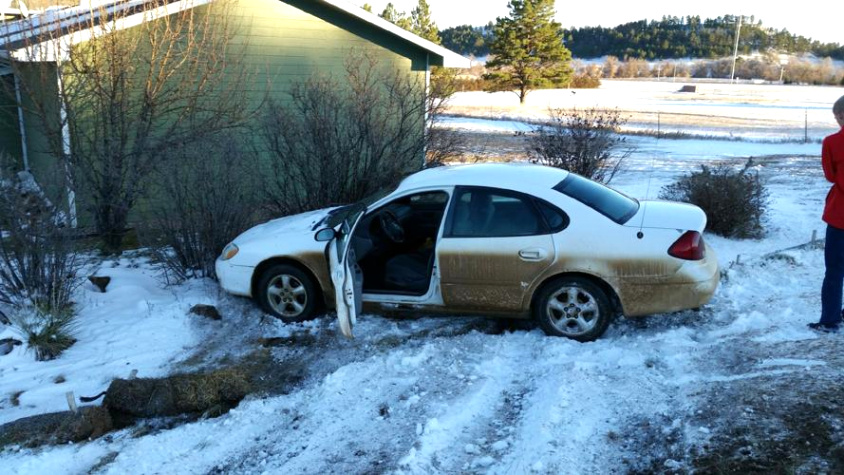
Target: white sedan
{"points": [[513, 240]]}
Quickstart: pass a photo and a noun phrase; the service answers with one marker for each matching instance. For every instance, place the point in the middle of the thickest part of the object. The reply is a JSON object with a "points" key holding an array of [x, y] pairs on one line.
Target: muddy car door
{"points": [[494, 246], [345, 273]]}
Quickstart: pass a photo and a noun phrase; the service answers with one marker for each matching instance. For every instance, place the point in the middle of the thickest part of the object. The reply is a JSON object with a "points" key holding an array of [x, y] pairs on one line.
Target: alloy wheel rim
{"points": [[287, 295], [573, 311]]}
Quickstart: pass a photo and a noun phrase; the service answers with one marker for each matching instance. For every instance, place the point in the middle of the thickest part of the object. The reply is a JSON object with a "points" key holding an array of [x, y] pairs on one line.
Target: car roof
{"points": [[523, 177]]}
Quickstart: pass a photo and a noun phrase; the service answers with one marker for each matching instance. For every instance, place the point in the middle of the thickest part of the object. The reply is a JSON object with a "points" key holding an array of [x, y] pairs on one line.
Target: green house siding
{"points": [[290, 41], [10, 139]]}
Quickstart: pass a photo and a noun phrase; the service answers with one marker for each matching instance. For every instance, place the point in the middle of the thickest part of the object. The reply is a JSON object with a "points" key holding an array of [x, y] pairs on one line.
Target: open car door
{"points": [[346, 275]]}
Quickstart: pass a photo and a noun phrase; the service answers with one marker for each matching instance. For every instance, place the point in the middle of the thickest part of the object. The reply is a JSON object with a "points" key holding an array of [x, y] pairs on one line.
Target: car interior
{"points": [[395, 244]]}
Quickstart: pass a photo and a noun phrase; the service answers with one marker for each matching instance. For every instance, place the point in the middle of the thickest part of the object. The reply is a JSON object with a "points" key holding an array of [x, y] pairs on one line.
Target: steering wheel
{"points": [[391, 226]]}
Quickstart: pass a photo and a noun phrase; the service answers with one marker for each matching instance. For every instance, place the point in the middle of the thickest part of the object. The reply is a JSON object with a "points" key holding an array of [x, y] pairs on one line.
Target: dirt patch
{"points": [[762, 412], [790, 427], [15, 398], [786, 418]]}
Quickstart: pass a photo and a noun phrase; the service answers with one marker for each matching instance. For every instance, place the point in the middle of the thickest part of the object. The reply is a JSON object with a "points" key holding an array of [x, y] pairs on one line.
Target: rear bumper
{"points": [[692, 286], [234, 279]]}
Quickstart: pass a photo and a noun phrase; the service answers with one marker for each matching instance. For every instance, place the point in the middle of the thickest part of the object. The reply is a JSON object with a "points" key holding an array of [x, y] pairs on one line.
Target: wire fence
{"points": [[797, 126]]}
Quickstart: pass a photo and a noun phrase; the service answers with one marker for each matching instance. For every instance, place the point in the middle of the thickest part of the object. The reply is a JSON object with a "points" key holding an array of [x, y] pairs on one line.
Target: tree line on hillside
{"points": [[766, 67], [670, 37]]}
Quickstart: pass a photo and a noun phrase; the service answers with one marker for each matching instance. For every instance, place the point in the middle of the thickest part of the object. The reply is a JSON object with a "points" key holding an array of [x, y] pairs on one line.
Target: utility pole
{"points": [[735, 50]]}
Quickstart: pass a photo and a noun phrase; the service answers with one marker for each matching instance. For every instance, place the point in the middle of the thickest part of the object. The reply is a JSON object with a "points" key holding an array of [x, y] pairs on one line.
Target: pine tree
{"points": [[528, 49], [394, 16], [421, 23]]}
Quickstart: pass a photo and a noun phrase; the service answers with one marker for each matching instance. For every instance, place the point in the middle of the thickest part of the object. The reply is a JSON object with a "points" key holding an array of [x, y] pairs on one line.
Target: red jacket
{"points": [[832, 159]]}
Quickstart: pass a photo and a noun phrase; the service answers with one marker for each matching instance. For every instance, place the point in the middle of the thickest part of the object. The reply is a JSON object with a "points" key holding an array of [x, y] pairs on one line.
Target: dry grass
{"points": [[15, 398], [128, 399]]}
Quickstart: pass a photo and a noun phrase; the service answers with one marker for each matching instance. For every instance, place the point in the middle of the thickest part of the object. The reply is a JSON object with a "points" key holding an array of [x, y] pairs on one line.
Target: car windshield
{"points": [[338, 215], [612, 204]]}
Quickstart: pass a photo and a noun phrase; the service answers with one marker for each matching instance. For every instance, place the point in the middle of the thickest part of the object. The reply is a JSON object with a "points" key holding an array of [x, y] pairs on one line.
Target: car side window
{"points": [[556, 219], [484, 212]]}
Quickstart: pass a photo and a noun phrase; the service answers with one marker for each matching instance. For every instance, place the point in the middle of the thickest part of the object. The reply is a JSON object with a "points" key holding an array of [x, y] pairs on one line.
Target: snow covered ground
{"points": [[669, 393], [748, 111]]}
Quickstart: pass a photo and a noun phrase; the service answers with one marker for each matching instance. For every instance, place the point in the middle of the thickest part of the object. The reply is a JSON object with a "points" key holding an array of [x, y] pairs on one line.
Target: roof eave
{"points": [[450, 59]]}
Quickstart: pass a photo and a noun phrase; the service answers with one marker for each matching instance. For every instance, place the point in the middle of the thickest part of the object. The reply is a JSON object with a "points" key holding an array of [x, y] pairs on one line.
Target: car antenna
{"points": [[640, 234]]}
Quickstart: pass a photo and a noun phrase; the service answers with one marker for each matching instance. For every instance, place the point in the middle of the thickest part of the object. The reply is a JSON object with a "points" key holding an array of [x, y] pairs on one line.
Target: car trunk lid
{"points": [[668, 215]]}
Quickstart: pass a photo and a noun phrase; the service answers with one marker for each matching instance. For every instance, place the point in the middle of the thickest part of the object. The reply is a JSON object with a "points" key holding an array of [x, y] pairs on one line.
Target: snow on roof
{"points": [[450, 58], [74, 21], [38, 38]]}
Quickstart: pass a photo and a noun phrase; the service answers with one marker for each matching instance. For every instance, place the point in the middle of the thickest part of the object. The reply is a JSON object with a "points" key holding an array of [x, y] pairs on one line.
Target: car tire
{"points": [[287, 293], [573, 307]]}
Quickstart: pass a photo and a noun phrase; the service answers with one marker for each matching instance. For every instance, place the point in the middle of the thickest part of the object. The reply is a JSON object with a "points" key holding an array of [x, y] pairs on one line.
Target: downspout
{"points": [[66, 149], [24, 151], [426, 100]]}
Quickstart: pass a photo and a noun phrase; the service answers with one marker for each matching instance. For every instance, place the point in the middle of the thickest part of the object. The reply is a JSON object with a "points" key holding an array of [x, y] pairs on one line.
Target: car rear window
{"points": [[602, 199]]}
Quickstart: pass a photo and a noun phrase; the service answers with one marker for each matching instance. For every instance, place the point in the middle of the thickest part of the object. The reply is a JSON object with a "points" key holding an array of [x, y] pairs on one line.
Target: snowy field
{"points": [[741, 380], [747, 111]]}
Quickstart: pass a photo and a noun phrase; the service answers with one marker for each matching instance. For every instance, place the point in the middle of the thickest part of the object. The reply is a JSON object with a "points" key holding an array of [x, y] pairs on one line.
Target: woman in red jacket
{"points": [[832, 159]]}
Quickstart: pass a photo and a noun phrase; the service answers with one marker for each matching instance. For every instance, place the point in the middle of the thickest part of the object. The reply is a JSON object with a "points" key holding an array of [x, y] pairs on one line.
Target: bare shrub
{"points": [[734, 200], [208, 196], [338, 140], [441, 144], [38, 265], [127, 96], [586, 142], [634, 68], [464, 84], [585, 81], [586, 76]]}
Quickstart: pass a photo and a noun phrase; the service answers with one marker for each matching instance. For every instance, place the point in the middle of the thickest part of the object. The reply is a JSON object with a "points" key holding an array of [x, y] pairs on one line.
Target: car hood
{"points": [[304, 224], [668, 215]]}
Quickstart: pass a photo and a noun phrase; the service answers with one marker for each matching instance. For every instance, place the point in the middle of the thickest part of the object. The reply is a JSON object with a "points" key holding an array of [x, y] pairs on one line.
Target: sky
{"points": [[808, 21]]}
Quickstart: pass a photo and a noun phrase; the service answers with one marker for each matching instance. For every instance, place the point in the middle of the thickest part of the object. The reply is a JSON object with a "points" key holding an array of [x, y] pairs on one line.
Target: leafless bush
{"points": [[734, 200], [207, 198], [128, 96], [634, 68], [338, 140], [585, 81], [585, 142], [38, 265], [441, 144], [586, 76]]}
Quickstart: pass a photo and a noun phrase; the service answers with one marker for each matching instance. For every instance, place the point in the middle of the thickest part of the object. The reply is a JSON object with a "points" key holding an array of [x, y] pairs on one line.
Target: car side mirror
{"points": [[325, 235]]}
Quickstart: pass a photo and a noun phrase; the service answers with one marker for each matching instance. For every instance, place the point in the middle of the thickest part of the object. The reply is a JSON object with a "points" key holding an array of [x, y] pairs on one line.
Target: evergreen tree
{"points": [[529, 51], [394, 16], [422, 25], [467, 40]]}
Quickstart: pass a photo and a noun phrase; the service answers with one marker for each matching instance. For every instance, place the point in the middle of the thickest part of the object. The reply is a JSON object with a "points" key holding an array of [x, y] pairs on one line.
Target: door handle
{"points": [[532, 254]]}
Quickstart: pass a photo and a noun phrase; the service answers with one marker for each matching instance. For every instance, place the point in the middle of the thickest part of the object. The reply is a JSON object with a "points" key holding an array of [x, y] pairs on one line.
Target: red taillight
{"points": [[689, 247]]}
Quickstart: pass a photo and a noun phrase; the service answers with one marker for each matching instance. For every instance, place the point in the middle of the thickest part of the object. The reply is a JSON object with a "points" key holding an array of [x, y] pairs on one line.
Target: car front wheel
{"points": [[573, 307], [288, 293]]}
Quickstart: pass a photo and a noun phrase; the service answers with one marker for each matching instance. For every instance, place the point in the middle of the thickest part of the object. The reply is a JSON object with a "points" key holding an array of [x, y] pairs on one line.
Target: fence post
{"points": [[806, 126], [71, 402], [658, 122]]}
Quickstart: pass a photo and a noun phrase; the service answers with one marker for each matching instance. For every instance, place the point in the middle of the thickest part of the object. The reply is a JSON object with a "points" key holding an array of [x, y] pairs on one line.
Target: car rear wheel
{"points": [[288, 293], [573, 307]]}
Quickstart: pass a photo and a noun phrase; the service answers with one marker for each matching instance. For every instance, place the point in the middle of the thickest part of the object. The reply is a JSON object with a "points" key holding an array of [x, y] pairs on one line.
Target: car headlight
{"points": [[229, 251]]}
